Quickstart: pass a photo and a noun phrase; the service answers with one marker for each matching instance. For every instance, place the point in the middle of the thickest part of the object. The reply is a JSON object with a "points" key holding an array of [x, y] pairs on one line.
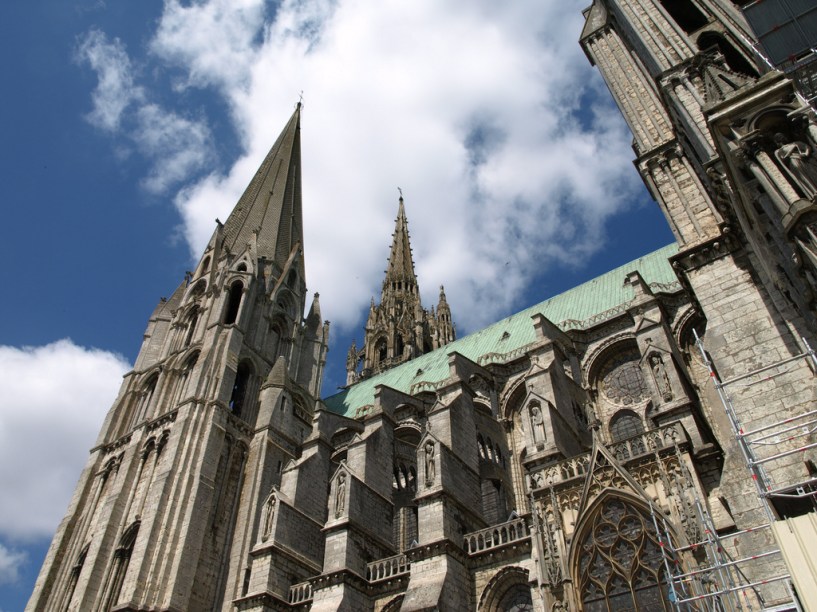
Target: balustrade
{"points": [[390, 567], [300, 593], [647, 442], [498, 535]]}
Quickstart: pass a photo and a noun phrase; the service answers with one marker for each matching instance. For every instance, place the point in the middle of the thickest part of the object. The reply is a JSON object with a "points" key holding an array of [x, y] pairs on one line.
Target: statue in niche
{"points": [[269, 514], [431, 468], [659, 373], [340, 495], [537, 424], [797, 159]]}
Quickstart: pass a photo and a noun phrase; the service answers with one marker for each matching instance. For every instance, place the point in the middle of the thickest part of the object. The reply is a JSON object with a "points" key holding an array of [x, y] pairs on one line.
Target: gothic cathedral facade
{"points": [[641, 442]]}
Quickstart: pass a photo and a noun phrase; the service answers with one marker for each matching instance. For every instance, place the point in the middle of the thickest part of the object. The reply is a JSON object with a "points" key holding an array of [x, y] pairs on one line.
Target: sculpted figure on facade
{"points": [[797, 158], [431, 468], [340, 495], [537, 424], [269, 514], [659, 373]]}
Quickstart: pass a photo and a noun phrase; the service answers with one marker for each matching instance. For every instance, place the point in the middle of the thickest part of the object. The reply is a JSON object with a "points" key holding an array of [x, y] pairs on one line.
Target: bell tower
{"points": [[399, 328], [155, 521]]}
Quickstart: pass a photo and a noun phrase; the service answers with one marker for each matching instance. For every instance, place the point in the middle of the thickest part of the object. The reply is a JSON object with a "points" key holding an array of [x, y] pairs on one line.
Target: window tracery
{"points": [[625, 424], [621, 379], [620, 564]]}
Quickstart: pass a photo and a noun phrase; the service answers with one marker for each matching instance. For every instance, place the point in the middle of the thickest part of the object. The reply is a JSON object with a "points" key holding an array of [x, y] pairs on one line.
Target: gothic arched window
{"points": [[508, 591], [381, 350], [620, 564], [625, 424], [239, 394], [233, 302]]}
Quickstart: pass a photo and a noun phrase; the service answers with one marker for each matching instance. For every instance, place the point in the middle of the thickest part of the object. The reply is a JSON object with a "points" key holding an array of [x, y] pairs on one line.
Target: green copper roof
{"points": [[579, 308]]}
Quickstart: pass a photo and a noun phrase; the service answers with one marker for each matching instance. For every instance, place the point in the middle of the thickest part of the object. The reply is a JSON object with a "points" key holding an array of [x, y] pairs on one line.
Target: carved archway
{"points": [[616, 558], [508, 591]]}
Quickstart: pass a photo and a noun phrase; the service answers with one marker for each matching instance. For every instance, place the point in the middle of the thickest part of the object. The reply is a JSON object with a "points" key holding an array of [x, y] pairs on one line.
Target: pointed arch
{"points": [[508, 590], [121, 560], [625, 424], [238, 397], [616, 557], [233, 302]]}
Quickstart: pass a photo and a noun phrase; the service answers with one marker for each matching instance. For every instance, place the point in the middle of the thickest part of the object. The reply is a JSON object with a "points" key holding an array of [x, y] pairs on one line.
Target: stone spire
{"points": [[271, 205], [400, 273], [398, 328]]}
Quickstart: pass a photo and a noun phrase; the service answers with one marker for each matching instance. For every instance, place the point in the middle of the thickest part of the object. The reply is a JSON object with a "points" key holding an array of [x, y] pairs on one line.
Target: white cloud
{"points": [[10, 563], [178, 146], [53, 399], [213, 41], [115, 89], [487, 114], [471, 108]]}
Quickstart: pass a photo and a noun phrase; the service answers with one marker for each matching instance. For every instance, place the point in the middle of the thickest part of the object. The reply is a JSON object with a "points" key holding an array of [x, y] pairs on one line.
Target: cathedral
{"points": [[644, 441]]}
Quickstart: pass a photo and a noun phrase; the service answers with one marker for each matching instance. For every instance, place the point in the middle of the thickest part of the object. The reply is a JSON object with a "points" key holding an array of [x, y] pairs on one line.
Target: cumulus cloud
{"points": [[176, 146], [115, 88], [10, 564], [54, 398], [487, 114]]}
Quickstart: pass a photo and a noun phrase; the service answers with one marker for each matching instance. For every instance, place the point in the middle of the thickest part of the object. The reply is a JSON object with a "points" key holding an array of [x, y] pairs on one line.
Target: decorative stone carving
{"points": [[340, 495], [797, 159], [537, 422], [622, 381], [431, 467], [269, 515], [659, 374]]}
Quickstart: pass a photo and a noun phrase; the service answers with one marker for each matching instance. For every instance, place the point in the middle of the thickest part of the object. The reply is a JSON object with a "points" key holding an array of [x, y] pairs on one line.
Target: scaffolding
{"points": [[722, 583]]}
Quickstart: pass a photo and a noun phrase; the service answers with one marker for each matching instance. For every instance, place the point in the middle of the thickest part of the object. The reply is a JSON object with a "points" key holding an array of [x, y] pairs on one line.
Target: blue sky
{"points": [[129, 126]]}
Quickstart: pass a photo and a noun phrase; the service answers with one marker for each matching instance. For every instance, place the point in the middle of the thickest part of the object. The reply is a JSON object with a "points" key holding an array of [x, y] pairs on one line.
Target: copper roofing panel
{"points": [[579, 308]]}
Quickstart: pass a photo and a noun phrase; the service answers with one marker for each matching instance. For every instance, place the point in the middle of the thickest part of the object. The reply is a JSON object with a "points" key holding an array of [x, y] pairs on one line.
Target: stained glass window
{"points": [[625, 424], [622, 381], [621, 567]]}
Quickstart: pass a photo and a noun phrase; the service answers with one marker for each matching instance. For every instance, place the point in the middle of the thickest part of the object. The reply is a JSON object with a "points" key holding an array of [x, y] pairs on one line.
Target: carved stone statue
{"points": [[269, 514], [797, 159], [431, 467], [537, 424], [659, 373], [340, 495]]}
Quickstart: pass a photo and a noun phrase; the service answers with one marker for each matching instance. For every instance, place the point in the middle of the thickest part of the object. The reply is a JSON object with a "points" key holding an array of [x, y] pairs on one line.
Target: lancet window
{"points": [[233, 302]]}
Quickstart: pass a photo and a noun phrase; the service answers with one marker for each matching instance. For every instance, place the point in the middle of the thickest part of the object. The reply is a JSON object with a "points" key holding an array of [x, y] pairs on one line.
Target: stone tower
{"points": [[219, 400], [399, 328], [725, 146]]}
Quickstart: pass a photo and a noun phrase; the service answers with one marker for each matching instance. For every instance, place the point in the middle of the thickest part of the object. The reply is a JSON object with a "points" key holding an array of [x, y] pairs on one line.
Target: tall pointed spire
{"points": [[401, 264], [399, 328], [271, 204]]}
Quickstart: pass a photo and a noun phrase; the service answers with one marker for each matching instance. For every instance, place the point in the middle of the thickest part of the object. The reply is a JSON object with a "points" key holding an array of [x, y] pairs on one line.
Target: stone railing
{"points": [[300, 593], [390, 567], [647, 442], [492, 537]]}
